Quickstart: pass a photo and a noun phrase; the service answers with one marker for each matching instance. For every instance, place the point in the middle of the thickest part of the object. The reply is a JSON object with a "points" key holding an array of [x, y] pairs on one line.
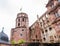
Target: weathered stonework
{"points": [[45, 29]]}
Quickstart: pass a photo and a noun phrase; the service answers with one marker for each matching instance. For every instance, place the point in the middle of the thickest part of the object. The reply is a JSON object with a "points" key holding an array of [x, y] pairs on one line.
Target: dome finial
{"points": [[37, 16], [2, 29], [20, 9]]}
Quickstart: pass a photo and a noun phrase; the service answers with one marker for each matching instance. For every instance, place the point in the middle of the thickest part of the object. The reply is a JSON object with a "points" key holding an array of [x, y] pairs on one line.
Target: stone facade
{"points": [[50, 22], [35, 33], [22, 29], [46, 29]]}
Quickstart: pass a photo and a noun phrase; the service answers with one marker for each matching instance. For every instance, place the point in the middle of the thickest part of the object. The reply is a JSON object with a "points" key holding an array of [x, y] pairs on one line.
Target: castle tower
{"points": [[21, 30], [22, 20]]}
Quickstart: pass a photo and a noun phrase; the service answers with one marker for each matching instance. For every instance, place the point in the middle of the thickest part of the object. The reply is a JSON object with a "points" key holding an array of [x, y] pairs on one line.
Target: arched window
{"points": [[21, 34], [44, 38], [22, 19], [22, 29], [33, 39], [55, 36], [36, 36], [18, 24], [46, 30]]}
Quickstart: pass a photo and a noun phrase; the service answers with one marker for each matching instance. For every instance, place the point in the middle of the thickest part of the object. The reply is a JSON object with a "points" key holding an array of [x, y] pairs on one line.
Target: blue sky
{"points": [[10, 8]]}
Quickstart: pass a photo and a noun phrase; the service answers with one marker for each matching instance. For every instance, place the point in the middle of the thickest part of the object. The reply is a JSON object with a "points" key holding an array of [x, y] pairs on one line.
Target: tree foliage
{"points": [[13, 42], [21, 41]]}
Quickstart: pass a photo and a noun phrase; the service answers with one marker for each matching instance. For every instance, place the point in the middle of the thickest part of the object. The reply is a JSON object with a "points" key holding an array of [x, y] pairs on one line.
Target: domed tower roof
{"points": [[3, 37], [22, 14]]}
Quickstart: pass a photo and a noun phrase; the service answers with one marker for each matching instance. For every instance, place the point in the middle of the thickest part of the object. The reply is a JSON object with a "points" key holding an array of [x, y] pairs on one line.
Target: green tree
{"points": [[13, 42], [21, 41]]}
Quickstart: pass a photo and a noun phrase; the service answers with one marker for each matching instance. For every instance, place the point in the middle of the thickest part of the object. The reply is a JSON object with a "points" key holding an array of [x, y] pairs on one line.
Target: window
{"points": [[50, 28], [22, 29], [55, 36], [34, 40], [36, 36], [37, 40], [20, 34], [22, 19], [44, 38], [45, 30], [18, 24], [41, 24], [47, 21]]}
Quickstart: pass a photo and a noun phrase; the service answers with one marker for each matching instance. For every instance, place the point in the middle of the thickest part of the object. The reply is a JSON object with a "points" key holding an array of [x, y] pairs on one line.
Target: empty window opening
{"points": [[50, 28], [18, 24], [46, 30], [44, 38], [36, 36]]}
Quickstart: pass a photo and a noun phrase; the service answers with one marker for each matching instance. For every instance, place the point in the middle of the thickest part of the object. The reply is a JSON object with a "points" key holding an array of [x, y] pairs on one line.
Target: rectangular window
{"points": [[36, 36], [18, 24], [44, 38], [22, 29], [33, 31], [20, 34], [33, 39], [22, 19]]}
